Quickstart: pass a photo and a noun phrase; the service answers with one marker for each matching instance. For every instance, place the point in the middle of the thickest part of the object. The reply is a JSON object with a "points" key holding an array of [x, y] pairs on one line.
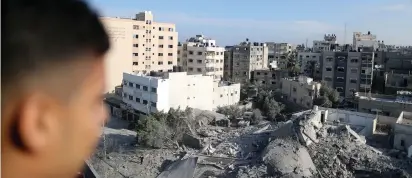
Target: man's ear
{"points": [[36, 123]]}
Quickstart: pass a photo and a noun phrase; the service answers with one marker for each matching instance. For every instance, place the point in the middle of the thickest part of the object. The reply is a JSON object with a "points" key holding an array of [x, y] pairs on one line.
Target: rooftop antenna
{"points": [[306, 44], [344, 35]]}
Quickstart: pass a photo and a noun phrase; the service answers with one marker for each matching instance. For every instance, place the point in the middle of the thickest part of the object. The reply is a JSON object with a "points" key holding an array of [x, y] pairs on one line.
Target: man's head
{"points": [[52, 77]]}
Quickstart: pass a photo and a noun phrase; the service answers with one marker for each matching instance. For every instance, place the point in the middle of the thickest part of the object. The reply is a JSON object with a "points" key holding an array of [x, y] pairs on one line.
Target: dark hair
{"points": [[40, 33]]}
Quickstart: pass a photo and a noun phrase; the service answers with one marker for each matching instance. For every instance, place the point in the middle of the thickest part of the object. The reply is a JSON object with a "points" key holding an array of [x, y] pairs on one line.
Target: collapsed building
{"points": [[320, 142]]}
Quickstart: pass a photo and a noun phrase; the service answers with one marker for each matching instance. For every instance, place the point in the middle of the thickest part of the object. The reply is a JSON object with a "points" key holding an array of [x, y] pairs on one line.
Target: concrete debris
{"points": [[287, 158], [222, 122], [301, 147], [192, 141]]}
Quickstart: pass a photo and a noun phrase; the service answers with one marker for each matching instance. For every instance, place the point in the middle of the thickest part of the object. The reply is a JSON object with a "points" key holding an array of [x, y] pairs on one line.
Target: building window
{"points": [[135, 45], [154, 90], [169, 62], [170, 37], [199, 61], [170, 46], [190, 69], [136, 36], [135, 54], [160, 63], [137, 86], [199, 69], [170, 29], [130, 84], [136, 27], [160, 54], [130, 97], [339, 89], [153, 104], [199, 53], [125, 95], [354, 60], [160, 37], [353, 81], [145, 88], [221, 96], [191, 52], [294, 89], [137, 99], [145, 102], [353, 70], [190, 60], [170, 54], [328, 79], [310, 93], [135, 63], [340, 79], [160, 46], [257, 73], [328, 69], [341, 69], [329, 59]]}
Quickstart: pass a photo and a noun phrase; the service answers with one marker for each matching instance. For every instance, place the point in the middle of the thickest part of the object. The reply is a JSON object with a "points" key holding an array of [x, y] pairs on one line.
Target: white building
{"points": [[201, 55], [328, 43], [364, 40], [362, 123], [163, 91], [302, 90]]}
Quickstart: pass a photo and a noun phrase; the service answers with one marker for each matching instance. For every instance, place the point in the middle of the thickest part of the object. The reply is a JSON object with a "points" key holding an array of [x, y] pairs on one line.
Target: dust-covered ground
{"points": [[249, 151]]}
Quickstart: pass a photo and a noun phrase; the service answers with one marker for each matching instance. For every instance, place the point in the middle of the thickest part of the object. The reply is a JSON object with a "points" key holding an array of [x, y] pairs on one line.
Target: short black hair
{"points": [[39, 33]]}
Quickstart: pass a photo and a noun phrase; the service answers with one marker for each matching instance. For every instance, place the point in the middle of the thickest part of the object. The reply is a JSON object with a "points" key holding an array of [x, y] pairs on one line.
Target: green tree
{"points": [[329, 97], [232, 111], [323, 102], [152, 132], [256, 117], [271, 108]]}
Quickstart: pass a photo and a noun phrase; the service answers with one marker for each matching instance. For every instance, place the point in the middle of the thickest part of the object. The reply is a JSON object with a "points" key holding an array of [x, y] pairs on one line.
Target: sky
{"points": [[294, 21]]}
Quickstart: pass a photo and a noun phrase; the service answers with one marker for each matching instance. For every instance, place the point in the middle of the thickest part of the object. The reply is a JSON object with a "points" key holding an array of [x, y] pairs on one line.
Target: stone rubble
{"points": [[296, 148]]}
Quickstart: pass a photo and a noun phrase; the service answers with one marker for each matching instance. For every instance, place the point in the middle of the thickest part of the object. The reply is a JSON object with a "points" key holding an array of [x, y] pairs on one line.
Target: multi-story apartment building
{"points": [[245, 58], [228, 63], [200, 55], [310, 64], [278, 49], [364, 40], [162, 91], [387, 105], [348, 72], [270, 78], [139, 45], [329, 43], [301, 90]]}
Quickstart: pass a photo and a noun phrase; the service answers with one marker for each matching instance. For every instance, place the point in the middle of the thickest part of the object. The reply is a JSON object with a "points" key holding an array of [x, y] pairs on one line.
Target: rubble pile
{"points": [[288, 158], [302, 147], [339, 154]]}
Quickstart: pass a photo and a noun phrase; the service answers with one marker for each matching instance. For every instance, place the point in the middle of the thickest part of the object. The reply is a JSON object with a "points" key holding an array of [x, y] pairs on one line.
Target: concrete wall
{"points": [[119, 57], [402, 132], [226, 95], [353, 118], [300, 93]]}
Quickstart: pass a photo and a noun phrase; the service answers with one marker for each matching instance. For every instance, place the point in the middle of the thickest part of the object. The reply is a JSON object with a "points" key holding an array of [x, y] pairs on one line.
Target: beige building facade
{"points": [[201, 55], [139, 45], [302, 90]]}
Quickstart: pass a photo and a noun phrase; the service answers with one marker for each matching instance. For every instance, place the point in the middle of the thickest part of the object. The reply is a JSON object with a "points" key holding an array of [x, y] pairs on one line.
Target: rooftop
{"points": [[402, 97]]}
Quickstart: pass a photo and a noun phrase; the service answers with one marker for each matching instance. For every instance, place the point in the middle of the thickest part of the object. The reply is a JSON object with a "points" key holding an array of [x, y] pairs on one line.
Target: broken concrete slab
{"points": [[287, 157], [192, 141]]}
